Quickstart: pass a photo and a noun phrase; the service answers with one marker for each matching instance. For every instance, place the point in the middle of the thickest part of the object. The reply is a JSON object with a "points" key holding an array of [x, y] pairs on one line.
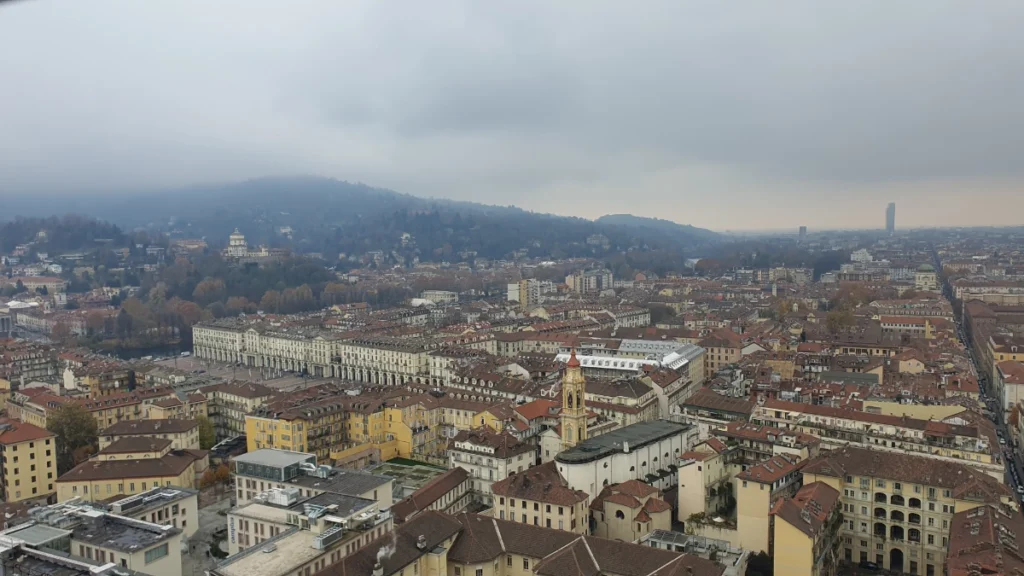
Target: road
{"points": [[196, 559], [278, 380]]}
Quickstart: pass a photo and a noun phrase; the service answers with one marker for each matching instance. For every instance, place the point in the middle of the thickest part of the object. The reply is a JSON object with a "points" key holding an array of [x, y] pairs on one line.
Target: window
{"points": [[526, 563], [509, 559], [479, 572], [156, 553]]}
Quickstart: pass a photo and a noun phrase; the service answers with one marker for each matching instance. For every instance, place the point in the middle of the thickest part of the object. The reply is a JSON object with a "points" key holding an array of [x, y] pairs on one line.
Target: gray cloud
{"points": [[795, 112]]}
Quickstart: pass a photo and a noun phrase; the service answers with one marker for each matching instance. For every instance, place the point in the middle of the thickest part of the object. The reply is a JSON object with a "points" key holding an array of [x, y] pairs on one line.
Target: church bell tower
{"points": [[574, 405]]}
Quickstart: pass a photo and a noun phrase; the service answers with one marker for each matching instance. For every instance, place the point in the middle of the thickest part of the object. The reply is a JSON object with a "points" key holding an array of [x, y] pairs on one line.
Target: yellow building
{"points": [[574, 409], [629, 511], [229, 402], [183, 434], [757, 490], [807, 527], [541, 496], [705, 479], [99, 479], [898, 511], [29, 461]]}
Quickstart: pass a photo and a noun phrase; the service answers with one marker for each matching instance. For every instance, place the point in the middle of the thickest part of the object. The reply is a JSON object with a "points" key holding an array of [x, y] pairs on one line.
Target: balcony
{"points": [[915, 503]]}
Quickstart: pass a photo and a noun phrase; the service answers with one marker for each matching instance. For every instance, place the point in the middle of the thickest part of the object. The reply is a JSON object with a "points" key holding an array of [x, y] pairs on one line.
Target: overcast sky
{"points": [[726, 115]]}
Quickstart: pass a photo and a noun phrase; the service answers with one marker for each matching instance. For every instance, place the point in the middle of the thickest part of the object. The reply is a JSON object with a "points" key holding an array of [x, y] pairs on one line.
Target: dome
{"points": [[926, 268]]}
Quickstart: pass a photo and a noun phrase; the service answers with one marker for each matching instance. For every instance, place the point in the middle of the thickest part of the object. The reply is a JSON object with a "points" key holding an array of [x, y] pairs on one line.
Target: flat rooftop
{"points": [[342, 482], [55, 563], [408, 478], [35, 534], [276, 458], [122, 534], [635, 435], [291, 549], [151, 500]]}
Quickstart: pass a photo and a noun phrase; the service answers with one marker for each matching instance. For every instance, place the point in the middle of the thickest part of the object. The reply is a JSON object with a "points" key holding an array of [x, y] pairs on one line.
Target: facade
{"points": [[705, 479], [489, 456], [100, 479], [228, 404], [178, 507], [190, 407], [449, 493], [890, 218], [574, 408], [29, 461], [807, 526], [541, 496], [898, 511], [757, 490], [629, 512], [440, 296], [646, 451], [183, 434]]}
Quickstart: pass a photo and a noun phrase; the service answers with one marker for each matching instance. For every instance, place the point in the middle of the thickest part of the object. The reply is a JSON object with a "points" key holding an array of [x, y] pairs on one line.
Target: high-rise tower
{"points": [[890, 218], [574, 405]]}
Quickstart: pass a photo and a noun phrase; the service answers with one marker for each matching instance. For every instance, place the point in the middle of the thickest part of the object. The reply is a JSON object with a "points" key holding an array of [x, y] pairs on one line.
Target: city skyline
{"points": [[533, 108]]}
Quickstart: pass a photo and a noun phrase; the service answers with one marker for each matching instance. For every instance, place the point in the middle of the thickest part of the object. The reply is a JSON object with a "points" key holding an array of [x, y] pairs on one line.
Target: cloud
{"points": [[728, 115]]}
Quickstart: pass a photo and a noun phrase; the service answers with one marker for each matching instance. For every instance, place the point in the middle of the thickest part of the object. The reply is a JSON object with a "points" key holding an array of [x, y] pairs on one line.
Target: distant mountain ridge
{"points": [[331, 217]]}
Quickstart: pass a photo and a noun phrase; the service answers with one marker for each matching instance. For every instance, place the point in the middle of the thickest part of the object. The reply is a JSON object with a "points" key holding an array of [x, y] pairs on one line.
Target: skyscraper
{"points": [[803, 234], [890, 218]]}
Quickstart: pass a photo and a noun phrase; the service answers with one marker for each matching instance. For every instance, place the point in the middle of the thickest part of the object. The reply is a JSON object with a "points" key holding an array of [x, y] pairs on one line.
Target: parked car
{"points": [[869, 566]]}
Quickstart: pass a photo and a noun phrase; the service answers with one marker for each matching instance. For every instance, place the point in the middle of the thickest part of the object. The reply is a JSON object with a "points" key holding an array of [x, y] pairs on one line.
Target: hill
{"points": [[332, 217]]}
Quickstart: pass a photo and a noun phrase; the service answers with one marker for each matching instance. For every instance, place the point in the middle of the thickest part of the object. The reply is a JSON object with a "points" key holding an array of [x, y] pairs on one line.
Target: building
{"points": [[898, 511], [182, 407], [29, 461], [574, 409], [710, 412], [82, 533], [315, 530], [449, 493], [109, 475], [757, 490], [475, 545], [541, 496], [178, 507], [489, 456], [629, 512], [646, 451], [262, 470], [440, 296], [723, 348], [925, 278], [705, 479], [229, 402], [807, 526], [803, 234], [985, 540], [890, 218], [183, 434]]}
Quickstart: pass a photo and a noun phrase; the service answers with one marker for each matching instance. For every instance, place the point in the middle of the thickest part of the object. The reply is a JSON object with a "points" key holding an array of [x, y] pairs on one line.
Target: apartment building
{"points": [[839, 427], [449, 493], [178, 507], [228, 404], [182, 407], [104, 477], [807, 526], [183, 434], [705, 479], [757, 489], [84, 534], [29, 461], [475, 545], [723, 347], [542, 497], [489, 456], [898, 511]]}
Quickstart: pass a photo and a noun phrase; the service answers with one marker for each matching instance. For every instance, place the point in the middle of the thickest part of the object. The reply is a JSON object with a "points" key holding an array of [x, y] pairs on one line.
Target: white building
{"points": [[645, 451], [489, 456], [440, 296]]}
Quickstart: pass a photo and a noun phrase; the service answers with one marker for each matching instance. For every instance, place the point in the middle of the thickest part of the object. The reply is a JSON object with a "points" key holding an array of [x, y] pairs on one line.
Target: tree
{"points": [[124, 324], [660, 312], [270, 302], [75, 429], [42, 291], [207, 435], [839, 319], [223, 473], [61, 332], [94, 322], [760, 564], [208, 479]]}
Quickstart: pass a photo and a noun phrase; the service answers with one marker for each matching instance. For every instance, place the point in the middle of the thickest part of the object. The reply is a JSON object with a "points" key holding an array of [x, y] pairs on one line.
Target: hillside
{"points": [[333, 217]]}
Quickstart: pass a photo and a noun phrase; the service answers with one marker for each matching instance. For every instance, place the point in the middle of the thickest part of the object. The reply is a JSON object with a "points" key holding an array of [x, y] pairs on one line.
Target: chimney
{"points": [[625, 447], [378, 570], [421, 542]]}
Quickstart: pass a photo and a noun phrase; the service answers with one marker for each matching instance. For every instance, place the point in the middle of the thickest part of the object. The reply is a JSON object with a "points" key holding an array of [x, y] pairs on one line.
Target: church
{"points": [[645, 451]]}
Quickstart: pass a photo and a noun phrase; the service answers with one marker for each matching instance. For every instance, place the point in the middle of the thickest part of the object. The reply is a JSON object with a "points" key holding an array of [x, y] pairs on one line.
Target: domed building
{"points": [[925, 278]]}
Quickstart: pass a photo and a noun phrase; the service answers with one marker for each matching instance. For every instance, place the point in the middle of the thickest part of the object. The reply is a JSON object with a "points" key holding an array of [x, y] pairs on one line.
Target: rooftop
{"points": [[144, 427], [275, 458], [633, 436]]}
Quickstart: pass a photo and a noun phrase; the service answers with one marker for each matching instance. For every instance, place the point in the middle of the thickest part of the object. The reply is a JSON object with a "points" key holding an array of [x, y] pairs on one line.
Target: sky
{"points": [[726, 115]]}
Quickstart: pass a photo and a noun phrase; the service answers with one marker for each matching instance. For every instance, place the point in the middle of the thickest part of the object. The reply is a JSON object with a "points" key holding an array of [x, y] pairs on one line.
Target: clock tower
{"points": [[574, 405]]}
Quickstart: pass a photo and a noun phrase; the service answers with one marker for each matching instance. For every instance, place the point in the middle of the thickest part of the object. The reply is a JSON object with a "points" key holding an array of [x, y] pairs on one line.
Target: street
{"points": [[278, 380], [197, 559]]}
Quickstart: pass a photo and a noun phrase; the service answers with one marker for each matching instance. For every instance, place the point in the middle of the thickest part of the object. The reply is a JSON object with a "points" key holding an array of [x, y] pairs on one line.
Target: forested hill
{"points": [[333, 217]]}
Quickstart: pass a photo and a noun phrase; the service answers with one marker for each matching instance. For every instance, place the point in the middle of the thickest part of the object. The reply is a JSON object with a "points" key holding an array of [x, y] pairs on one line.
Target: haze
{"points": [[726, 115]]}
